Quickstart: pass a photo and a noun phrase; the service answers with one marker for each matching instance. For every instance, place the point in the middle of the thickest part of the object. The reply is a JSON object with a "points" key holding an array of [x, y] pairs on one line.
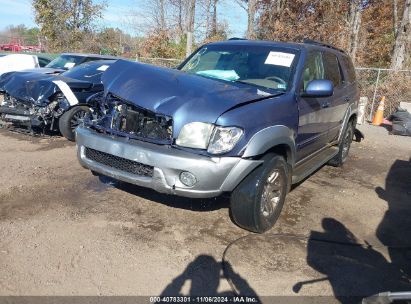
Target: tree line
{"points": [[374, 32]]}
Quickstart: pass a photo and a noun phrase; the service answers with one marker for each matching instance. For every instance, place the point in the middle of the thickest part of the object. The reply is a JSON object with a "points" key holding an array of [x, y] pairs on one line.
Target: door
{"points": [[314, 119], [340, 99]]}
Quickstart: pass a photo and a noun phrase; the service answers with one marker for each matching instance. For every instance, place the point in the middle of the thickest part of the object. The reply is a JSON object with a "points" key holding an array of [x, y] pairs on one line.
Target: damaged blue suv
{"points": [[249, 118]]}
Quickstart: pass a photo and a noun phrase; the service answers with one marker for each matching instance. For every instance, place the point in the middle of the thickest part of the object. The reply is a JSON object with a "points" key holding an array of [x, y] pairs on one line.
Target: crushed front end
{"points": [[35, 116], [133, 144], [115, 116]]}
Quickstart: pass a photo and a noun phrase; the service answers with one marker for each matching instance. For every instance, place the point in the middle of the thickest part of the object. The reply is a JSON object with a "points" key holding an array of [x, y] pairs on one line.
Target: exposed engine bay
{"points": [[116, 116]]}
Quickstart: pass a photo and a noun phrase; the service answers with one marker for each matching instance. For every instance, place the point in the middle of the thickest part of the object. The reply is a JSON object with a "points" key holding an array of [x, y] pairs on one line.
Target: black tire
{"points": [[248, 204], [70, 120], [344, 146]]}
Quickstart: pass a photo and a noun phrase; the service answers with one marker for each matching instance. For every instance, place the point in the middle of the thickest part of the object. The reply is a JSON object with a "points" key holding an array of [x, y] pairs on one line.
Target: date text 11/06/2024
{"points": [[189, 299]]}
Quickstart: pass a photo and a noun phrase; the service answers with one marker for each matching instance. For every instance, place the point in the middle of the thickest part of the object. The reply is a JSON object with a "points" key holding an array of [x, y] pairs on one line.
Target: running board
{"points": [[311, 165]]}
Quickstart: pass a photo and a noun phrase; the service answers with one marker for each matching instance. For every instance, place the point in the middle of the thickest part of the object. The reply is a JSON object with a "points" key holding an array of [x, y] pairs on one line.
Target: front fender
{"points": [[271, 137]]}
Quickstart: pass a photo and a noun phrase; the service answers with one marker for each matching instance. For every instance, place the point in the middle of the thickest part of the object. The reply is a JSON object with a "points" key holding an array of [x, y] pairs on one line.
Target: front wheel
{"points": [[256, 203], [70, 120]]}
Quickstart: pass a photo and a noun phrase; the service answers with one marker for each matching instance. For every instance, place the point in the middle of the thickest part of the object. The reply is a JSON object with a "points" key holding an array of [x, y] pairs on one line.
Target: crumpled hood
{"points": [[45, 70], [183, 96], [36, 87]]}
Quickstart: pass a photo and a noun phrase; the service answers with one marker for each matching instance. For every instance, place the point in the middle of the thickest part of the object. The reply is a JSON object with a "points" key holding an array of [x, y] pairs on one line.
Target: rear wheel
{"points": [[256, 203], [70, 120], [344, 146]]}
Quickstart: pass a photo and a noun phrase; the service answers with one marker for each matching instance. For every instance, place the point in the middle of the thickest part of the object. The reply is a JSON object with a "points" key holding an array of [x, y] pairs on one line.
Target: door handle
{"points": [[325, 105]]}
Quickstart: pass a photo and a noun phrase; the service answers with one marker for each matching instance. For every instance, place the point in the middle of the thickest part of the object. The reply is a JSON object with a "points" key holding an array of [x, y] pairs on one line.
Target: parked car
{"points": [[17, 62], [249, 118], [67, 61], [53, 102]]}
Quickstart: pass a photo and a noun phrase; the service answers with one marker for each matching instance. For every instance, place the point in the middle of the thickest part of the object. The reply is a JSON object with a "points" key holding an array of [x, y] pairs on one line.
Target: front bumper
{"points": [[20, 117], [214, 175]]}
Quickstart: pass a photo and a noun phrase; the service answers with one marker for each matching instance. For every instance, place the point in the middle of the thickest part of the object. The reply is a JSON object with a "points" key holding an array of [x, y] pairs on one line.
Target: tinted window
{"points": [[43, 61], [88, 59], [313, 68], [332, 68], [65, 62], [350, 71], [88, 72], [263, 66]]}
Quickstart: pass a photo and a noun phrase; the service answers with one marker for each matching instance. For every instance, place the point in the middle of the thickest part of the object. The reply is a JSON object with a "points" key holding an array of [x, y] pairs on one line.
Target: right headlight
{"points": [[215, 139], [224, 139], [195, 135]]}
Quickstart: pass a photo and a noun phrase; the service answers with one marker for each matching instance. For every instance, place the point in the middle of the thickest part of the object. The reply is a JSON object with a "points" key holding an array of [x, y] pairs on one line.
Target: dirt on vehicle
{"points": [[343, 231]]}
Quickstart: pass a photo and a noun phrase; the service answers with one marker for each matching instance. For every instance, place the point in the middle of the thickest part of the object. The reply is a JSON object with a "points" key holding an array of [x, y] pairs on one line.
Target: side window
{"points": [[313, 68], [43, 62], [349, 69], [332, 68]]}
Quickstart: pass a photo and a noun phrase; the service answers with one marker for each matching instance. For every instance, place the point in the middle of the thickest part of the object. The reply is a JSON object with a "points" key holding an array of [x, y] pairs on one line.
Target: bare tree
{"points": [[395, 16], [214, 23], [355, 12], [190, 26], [250, 6], [162, 18], [402, 45], [208, 17]]}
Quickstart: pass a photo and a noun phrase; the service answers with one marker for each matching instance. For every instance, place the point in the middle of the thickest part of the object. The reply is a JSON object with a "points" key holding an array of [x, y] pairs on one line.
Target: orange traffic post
{"points": [[379, 115]]}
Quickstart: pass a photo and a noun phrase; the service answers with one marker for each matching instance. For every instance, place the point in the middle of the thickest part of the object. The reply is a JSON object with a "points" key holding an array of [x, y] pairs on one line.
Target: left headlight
{"points": [[224, 139]]}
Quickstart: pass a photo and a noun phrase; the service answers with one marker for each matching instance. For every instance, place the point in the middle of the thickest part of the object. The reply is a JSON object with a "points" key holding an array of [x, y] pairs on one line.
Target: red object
{"points": [[15, 45]]}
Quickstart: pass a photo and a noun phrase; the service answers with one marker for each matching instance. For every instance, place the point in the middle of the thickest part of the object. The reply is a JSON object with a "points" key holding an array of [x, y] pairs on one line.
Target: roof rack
{"points": [[313, 42]]}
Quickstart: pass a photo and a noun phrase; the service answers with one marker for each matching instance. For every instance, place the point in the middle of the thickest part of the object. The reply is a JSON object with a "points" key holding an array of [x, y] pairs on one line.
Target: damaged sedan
{"points": [[249, 118], [41, 103]]}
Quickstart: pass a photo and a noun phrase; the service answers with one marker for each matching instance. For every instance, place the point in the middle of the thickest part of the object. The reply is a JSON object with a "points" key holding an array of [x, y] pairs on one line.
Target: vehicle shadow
{"points": [[193, 204], [394, 231], [354, 271], [202, 277]]}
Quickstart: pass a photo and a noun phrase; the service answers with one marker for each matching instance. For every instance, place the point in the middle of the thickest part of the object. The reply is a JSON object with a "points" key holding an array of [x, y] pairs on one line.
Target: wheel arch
{"points": [[350, 115], [80, 104], [276, 139]]}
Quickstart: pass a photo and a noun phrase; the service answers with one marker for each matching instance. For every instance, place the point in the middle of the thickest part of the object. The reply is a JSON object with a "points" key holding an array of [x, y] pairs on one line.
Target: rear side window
{"points": [[332, 68], [313, 68], [350, 70]]}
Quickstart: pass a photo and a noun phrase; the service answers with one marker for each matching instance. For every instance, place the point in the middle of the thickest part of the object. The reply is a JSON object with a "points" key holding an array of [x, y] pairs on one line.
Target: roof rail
{"points": [[237, 38], [313, 42]]}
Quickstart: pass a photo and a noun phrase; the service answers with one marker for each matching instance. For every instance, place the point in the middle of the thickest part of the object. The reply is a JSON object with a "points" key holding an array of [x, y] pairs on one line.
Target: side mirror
{"points": [[319, 88]]}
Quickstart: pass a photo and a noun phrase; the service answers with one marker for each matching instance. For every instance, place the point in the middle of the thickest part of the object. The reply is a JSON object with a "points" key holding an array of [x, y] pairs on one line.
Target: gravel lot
{"points": [[64, 231]]}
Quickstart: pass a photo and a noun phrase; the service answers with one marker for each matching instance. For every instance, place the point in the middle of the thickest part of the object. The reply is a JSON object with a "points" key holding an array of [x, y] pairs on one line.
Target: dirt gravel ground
{"points": [[343, 232]]}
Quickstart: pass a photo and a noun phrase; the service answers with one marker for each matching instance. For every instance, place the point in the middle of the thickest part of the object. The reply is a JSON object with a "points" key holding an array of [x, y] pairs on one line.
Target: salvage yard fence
{"points": [[374, 83]]}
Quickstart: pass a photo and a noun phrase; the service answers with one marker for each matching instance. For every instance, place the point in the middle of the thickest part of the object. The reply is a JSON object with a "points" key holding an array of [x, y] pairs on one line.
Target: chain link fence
{"points": [[374, 83]]}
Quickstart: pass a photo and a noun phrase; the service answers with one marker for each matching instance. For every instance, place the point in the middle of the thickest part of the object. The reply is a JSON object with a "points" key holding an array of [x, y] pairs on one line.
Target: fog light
{"points": [[188, 178]]}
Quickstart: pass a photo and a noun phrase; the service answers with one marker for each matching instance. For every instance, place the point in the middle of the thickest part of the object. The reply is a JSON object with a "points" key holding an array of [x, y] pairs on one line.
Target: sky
{"points": [[117, 13]]}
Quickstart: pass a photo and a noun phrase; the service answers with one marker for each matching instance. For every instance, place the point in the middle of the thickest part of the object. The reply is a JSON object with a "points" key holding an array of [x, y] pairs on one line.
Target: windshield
{"points": [[262, 66], [65, 62], [90, 72]]}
